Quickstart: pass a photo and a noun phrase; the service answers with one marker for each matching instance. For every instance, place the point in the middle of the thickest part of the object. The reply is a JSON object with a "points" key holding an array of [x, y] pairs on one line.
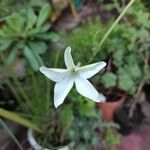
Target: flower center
{"points": [[74, 71]]}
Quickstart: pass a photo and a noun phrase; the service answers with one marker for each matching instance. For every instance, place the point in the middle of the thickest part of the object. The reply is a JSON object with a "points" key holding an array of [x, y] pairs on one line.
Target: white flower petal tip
{"points": [[68, 58], [68, 49], [102, 98], [67, 52], [103, 64], [42, 68], [90, 70], [53, 74], [56, 105]]}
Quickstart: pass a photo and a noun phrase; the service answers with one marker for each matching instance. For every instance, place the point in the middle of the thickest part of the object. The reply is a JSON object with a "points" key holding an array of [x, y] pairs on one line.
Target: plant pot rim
{"points": [[122, 98], [36, 146], [108, 108]]}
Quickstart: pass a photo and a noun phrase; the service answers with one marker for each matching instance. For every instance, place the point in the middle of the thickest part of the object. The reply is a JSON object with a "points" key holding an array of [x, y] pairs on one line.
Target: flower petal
{"points": [[62, 89], [85, 88], [55, 75], [90, 70], [68, 58]]}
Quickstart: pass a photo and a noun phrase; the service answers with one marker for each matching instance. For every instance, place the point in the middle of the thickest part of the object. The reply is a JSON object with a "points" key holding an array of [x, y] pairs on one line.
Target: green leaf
{"points": [[44, 14], [48, 36], [31, 19], [132, 59], [40, 61], [31, 58], [45, 27], [22, 121], [33, 32], [118, 57], [21, 44], [125, 82], [12, 57], [86, 107], [109, 79], [7, 32], [38, 47], [66, 116], [143, 18], [5, 44], [16, 22], [38, 30], [134, 70]]}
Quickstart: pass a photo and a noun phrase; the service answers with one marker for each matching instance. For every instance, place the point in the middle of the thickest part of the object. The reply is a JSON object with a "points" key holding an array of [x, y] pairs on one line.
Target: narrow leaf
{"points": [[20, 120], [16, 22], [12, 57], [31, 19], [38, 47], [5, 43], [48, 36], [31, 58], [44, 14], [66, 117]]}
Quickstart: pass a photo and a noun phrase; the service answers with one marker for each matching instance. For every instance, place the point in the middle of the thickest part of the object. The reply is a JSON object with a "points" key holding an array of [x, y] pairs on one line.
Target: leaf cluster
{"points": [[25, 34], [129, 52]]}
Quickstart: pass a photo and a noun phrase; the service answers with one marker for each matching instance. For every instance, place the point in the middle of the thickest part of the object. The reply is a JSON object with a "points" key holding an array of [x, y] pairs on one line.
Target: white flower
{"points": [[65, 78]]}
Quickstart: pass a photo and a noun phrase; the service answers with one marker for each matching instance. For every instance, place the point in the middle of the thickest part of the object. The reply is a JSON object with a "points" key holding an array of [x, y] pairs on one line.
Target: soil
{"points": [[113, 98], [113, 94]]}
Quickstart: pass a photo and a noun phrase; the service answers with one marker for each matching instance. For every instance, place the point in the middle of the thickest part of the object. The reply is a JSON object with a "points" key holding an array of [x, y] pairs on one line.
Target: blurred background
{"points": [[34, 33]]}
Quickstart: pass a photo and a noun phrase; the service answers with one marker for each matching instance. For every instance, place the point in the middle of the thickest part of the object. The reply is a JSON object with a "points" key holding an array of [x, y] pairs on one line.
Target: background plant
{"points": [[129, 52], [83, 42], [25, 34], [9, 6], [112, 138]]}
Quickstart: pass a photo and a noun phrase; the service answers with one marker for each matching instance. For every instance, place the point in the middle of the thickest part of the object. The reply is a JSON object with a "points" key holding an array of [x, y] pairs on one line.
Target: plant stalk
{"points": [[111, 28], [133, 107]]}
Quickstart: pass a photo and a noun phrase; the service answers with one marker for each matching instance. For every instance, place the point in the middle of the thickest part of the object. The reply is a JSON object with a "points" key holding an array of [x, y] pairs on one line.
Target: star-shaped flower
{"points": [[65, 79]]}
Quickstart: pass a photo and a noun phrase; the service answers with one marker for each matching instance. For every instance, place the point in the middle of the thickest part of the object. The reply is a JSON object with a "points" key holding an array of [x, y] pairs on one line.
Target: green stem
{"points": [[56, 59], [16, 94], [111, 28], [47, 85], [21, 91], [34, 80], [47, 94]]}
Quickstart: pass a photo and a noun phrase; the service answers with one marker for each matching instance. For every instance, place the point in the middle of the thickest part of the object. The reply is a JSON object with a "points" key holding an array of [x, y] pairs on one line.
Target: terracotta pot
{"points": [[36, 146], [108, 108]]}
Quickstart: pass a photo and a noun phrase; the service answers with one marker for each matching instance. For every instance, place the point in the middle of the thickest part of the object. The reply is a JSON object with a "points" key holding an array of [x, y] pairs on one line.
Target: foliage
{"points": [[9, 6], [111, 138], [70, 120], [129, 52], [25, 34], [14, 117], [83, 39], [83, 129]]}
